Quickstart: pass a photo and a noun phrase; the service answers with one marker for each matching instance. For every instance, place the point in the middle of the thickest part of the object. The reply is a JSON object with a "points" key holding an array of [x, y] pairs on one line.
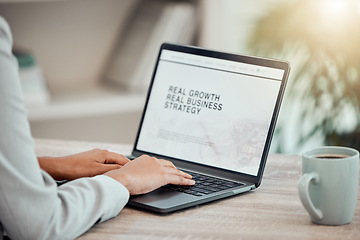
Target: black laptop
{"points": [[213, 115]]}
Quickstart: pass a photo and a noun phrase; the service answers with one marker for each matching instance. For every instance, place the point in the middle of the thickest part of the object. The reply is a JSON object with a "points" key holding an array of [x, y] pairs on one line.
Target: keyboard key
{"points": [[204, 185]]}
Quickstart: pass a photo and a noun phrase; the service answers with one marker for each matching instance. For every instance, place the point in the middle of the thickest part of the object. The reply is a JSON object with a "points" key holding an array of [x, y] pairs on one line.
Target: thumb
{"points": [[108, 167], [116, 158]]}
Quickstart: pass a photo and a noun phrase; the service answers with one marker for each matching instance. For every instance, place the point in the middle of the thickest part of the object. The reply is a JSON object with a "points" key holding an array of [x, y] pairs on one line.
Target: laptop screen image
{"points": [[210, 110]]}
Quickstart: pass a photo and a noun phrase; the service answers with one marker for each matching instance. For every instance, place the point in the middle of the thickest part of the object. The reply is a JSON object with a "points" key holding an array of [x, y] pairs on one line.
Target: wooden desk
{"points": [[273, 211]]}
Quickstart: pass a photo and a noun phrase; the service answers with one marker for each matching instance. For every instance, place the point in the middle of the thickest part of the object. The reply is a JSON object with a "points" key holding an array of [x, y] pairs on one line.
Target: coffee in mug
{"points": [[329, 186], [331, 156]]}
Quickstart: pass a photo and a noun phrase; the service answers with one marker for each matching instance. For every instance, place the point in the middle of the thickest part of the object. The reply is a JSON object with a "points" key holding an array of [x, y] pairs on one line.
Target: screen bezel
{"points": [[265, 62]]}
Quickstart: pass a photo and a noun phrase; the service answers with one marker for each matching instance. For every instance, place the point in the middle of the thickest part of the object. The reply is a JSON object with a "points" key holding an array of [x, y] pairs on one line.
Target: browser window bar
{"points": [[223, 65]]}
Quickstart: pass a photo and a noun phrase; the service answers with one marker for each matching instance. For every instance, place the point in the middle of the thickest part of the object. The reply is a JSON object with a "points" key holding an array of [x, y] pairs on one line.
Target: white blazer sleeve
{"points": [[31, 204]]}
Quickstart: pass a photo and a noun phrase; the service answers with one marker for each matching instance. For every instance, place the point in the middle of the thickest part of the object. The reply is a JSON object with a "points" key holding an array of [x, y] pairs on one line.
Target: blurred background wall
{"points": [[88, 63]]}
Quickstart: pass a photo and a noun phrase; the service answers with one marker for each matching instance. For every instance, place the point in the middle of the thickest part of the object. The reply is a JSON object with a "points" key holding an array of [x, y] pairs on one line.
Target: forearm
{"points": [[53, 166], [51, 212], [85, 164], [85, 202]]}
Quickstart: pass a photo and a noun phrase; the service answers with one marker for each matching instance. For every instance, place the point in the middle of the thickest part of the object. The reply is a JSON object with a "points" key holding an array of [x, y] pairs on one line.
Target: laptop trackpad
{"points": [[163, 198]]}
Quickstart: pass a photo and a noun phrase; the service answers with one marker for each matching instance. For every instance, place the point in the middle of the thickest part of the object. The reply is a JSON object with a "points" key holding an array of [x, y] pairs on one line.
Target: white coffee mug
{"points": [[329, 186]]}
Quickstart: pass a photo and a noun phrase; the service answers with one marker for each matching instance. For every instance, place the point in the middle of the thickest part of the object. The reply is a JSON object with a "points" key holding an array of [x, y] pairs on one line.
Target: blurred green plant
{"points": [[321, 40]]}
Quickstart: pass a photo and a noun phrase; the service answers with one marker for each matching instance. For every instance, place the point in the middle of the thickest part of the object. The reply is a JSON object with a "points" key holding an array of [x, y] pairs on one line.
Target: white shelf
{"points": [[79, 60], [86, 104]]}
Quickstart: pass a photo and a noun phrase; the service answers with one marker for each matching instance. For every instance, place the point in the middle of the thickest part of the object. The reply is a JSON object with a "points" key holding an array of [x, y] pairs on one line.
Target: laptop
{"points": [[213, 115]]}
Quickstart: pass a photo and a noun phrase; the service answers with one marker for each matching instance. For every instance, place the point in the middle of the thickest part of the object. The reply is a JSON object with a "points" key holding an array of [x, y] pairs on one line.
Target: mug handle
{"points": [[303, 187]]}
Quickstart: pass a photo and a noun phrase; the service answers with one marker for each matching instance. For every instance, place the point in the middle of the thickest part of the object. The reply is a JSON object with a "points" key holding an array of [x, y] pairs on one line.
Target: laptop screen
{"points": [[209, 110]]}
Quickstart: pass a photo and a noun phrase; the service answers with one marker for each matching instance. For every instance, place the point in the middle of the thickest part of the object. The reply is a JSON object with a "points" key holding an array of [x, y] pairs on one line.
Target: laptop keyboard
{"points": [[204, 185]]}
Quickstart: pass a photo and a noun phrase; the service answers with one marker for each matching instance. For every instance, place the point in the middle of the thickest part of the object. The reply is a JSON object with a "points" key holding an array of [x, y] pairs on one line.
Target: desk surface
{"points": [[273, 211]]}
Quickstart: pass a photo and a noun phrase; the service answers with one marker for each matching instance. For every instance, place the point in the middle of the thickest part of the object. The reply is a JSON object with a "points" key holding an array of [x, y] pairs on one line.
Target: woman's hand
{"points": [[145, 174], [85, 164]]}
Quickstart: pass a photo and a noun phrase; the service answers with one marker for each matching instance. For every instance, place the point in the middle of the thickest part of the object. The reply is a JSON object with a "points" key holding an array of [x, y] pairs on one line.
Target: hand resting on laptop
{"points": [[145, 174], [84, 164], [139, 176]]}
